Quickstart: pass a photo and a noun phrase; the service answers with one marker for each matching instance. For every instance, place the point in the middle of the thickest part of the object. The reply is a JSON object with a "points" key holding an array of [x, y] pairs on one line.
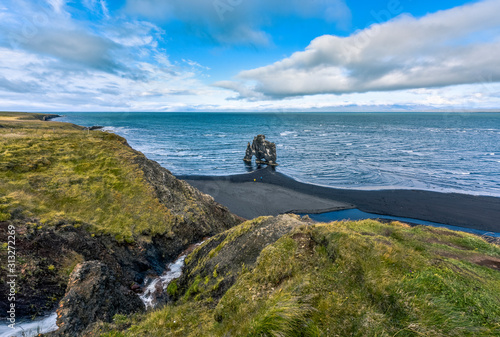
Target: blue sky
{"points": [[249, 55]]}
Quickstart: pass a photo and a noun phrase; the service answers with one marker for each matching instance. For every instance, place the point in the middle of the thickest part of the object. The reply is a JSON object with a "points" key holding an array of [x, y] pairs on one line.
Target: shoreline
{"points": [[277, 193]]}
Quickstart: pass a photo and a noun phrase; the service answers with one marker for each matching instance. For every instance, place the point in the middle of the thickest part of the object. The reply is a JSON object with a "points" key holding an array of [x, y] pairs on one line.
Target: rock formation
{"points": [[263, 150], [237, 251], [93, 294]]}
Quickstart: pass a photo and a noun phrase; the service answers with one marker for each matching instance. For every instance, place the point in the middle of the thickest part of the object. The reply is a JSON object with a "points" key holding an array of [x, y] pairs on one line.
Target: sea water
{"points": [[448, 152], [356, 214]]}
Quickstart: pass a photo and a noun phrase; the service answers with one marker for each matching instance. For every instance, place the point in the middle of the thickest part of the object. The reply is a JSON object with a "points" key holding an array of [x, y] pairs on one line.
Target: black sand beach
{"points": [[277, 193]]}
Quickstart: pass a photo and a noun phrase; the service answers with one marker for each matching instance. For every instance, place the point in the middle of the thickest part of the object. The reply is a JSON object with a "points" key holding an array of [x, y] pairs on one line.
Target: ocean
{"points": [[447, 152]]}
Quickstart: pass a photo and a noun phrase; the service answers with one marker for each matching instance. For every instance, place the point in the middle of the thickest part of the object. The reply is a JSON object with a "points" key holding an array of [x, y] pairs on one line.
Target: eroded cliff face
{"points": [[200, 216]]}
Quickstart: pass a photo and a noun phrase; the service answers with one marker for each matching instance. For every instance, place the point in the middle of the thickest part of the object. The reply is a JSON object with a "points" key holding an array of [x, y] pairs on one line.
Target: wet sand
{"points": [[277, 193]]}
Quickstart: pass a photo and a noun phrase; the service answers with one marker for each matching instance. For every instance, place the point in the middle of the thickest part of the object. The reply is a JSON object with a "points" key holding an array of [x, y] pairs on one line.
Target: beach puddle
{"points": [[29, 328], [356, 214]]}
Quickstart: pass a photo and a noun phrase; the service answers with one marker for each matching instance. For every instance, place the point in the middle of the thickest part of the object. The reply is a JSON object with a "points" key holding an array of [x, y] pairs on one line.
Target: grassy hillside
{"points": [[58, 172], [76, 195], [361, 278]]}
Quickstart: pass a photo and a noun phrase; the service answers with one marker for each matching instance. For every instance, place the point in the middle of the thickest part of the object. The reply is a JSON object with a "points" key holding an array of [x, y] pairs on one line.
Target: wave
{"points": [[341, 150]]}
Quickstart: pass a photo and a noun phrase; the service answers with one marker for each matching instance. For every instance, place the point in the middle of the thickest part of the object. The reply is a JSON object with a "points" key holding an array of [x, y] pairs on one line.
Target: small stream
{"points": [[29, 328], [154, 291], [155, 287]]}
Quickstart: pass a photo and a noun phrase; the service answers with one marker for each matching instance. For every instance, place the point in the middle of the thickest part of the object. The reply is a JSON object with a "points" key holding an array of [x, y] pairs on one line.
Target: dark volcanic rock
{"points": [[201, 215], [263, 150], [93, 294], [94, 127]]}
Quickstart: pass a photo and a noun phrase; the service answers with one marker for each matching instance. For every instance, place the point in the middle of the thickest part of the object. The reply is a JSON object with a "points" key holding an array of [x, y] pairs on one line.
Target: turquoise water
{"points": [[356, 214], [450, 152]]}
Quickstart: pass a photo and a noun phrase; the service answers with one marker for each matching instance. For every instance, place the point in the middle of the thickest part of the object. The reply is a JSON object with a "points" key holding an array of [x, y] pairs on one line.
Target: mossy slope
{"points": [[361, 278], [59, 172]]}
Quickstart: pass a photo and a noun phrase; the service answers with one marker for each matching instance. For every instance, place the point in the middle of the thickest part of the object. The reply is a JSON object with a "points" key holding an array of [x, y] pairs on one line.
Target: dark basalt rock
{"points": [[263, 150], [94, 127], [47, 117], [93, 294]]}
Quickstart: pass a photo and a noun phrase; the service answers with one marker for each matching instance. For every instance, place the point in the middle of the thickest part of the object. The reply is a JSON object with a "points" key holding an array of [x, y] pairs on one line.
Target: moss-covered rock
{"points": [[220, 260]]}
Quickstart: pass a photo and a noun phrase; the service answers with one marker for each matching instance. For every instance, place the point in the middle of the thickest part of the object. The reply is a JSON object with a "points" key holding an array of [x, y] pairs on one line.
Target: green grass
{"points": [[59, 173], [349, 279], [341, 279]]}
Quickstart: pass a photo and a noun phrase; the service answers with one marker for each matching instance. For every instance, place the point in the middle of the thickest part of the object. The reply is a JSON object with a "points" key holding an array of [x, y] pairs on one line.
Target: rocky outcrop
{"points": [[263, 150], [220, 259], [94, 127], [93, 294], [45, 117], [48, 255]]}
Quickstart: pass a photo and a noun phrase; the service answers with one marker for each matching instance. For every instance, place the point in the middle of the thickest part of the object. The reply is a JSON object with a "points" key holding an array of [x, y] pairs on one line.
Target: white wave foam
{"points": [[117, 129]]}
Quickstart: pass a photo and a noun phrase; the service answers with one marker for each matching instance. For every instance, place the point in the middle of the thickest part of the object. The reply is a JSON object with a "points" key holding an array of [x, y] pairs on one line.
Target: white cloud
{"points": [[109, 64], [242, 89], [456, 46], [57, 5], [55, 62], [97, 6], [75, 46], [104, 8], [238, 21], [33, 82]]}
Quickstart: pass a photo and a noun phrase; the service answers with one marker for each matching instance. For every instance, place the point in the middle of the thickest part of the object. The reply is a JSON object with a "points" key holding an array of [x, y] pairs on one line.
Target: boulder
{"points": [[263, 150], [93, 294], [228, 252]]}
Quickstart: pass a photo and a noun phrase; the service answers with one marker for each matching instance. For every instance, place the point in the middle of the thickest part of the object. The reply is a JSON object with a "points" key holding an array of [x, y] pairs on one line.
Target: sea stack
{"points": [[264, 151]]}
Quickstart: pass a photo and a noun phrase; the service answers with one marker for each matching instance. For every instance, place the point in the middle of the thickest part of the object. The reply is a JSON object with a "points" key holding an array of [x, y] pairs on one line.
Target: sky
{"points": [[249, 55]]}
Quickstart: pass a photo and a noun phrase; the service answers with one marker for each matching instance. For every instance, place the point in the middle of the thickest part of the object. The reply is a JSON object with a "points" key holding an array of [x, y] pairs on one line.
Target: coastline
{"points": [[277, 193], [121, 258]]}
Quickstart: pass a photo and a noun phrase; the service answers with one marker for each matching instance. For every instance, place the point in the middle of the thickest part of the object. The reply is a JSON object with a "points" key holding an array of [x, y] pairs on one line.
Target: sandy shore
{"points": [[277, 193]]}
